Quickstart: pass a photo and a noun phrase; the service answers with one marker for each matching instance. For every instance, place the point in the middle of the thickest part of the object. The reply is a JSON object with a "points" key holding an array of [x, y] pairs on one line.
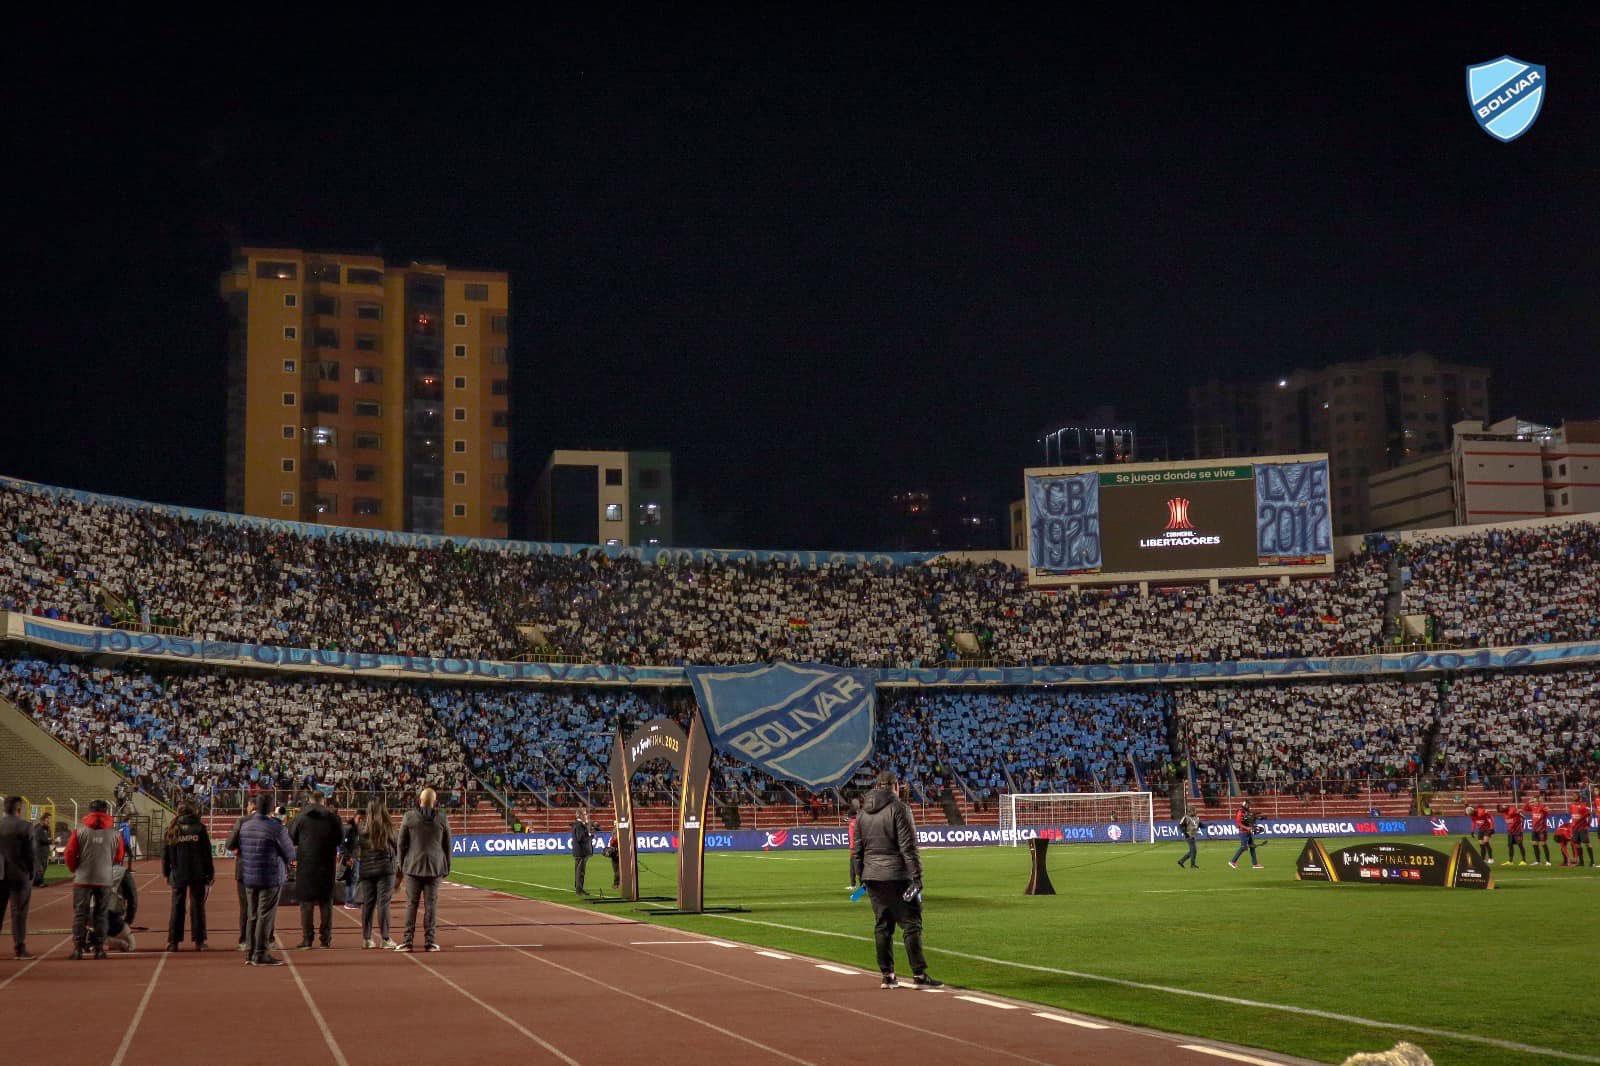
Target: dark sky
{"points": [[817, 261]]}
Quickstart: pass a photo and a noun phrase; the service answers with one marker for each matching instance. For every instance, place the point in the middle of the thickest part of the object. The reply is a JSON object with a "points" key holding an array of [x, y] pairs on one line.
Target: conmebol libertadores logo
{"points": [[1506, 95], [1180, 531], [1178, 513]]}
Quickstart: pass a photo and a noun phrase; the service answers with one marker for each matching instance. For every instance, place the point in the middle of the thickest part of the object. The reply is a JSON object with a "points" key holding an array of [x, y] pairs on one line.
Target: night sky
{"points": [[819, 262]]}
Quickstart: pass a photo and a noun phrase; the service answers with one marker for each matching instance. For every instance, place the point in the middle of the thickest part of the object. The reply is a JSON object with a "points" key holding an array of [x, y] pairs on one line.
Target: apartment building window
{"points": [[613, 542], [368, 375], [291, 299], [275, 271], [459, 510], [288, 399], [649, 514], [458, 478], [325, 338], [649, 480], [370, 312], [324, 436], [290, 333], [477, 293], [459, 414], [460, 351], [323, 273], [322, 403], [613, 475], [288, 466], [498, 450], [499, 387], [1562, 469], [1549, 499], [366, 505], [498, 324], [288, 366], [325, 503], [325, 305], [458, 446], [365, 472], [460, 319], [499, 482], [328, 370], [368, 441], [360, 276], [326, 470], [499, 357], [500, 419], [1564, 498], [366, 342], [288, 432], [286, 499], [368, 408], [500, 514], [613, 512], [461, 382]]}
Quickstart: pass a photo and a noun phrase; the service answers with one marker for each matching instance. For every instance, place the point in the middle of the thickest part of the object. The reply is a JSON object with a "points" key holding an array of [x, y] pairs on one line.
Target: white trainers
{"points": [[390, 945], [369, 943]]}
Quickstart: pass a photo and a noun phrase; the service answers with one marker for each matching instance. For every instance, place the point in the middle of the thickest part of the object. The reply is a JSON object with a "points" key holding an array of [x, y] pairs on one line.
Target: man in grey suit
{"points": [[424, 859], [16, 872]]}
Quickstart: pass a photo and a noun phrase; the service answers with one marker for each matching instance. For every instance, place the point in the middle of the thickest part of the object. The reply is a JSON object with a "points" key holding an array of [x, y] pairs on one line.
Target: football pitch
{"points": [[1247, 956]]}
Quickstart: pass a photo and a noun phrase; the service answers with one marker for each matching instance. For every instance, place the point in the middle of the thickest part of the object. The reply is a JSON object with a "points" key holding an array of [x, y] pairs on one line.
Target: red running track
{"points": [[518, 981]]}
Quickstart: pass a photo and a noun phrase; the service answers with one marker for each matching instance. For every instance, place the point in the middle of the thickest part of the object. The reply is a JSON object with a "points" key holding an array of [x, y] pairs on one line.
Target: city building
{"points": [[364, 393], [1510, 470], [1370, 417], [948, 520], [605, 497], [1098, 437]]}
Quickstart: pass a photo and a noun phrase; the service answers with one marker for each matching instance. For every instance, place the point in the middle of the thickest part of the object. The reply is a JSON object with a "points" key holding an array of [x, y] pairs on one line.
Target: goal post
{"points": [[1022, 814]]}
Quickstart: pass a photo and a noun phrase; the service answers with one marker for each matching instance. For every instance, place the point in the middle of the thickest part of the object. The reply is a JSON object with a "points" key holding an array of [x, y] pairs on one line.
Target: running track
{"points": [[518, 981]]}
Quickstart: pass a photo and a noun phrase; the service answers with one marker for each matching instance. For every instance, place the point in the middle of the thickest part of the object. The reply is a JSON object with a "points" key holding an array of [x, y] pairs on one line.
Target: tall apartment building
{"points": [[1369, 416], [605, 497], [362, 393]]}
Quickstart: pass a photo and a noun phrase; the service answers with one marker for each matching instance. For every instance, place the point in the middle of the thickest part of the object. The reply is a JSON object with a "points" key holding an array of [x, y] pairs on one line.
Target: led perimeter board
{"points": [[1223, 518]]}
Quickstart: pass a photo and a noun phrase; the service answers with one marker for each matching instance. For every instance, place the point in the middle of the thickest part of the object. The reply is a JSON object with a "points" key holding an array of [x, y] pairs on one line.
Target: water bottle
{"points": [[860, 890]]}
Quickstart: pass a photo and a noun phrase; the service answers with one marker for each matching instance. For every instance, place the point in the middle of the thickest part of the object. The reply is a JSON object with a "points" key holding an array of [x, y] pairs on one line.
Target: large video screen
{"points": [[1212, 518]]}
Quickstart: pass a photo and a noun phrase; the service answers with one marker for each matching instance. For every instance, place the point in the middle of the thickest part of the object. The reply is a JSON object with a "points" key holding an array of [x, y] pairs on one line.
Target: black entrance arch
{"points": [[690, 754]]}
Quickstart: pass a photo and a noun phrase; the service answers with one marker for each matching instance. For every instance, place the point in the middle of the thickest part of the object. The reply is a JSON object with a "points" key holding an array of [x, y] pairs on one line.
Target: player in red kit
{"points": [[1483, 828], [1580, 834], [1564, 842], [1540, 816], [1513, 818]]}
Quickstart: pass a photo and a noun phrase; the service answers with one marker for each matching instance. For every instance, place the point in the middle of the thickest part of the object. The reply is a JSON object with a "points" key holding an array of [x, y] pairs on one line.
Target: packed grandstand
{"points": [[215, 733]]}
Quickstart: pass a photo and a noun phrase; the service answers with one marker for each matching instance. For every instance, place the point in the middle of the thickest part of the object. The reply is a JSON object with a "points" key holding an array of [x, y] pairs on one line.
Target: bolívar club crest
{"points": [[1506, 95]]}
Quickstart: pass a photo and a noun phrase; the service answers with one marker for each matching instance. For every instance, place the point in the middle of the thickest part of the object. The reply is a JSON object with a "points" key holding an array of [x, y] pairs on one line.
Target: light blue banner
{"points": [[1064, 523], [655, 554], [92, 640], [801, 722], [1292, 516]]}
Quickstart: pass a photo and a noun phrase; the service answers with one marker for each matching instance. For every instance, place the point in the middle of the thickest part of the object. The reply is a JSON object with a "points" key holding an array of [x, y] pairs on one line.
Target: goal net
{"points": [[1129, 816]]}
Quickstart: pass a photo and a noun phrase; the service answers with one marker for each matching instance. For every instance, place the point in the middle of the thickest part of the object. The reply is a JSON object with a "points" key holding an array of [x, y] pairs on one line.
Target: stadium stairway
{"points": [[33, 763]]}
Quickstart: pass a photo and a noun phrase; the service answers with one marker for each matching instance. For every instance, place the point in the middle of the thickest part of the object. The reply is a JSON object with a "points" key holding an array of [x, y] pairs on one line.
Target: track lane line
{"points": [[989, 1002], [1068, 1020], [138, 1014], [498, 1013], [1222, 1054]]}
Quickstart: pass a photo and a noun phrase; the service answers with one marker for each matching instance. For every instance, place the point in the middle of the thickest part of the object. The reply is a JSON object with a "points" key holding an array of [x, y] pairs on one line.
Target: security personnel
{"points": [[1189, 825], [885, 851], [582, 848]]}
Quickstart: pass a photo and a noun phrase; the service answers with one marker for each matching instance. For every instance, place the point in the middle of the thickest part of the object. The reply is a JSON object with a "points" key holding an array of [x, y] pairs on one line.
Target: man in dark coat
{"points": [[16, 872], [582, 848], [424, 859], [317, 834], [264, 851], [238, 884], [885, 851], [41, 848]]}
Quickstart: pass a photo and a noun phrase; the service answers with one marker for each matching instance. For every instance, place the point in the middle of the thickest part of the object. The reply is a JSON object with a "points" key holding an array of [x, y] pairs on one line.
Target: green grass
{"points": [[1503, 964]]}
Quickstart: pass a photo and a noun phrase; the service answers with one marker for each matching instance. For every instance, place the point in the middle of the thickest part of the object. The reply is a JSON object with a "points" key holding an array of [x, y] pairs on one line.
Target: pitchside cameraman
{"points": [[885, 851]]}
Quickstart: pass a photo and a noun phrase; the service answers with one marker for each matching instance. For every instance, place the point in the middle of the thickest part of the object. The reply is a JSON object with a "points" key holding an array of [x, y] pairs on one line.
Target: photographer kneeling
{"points": [[885, 851]]}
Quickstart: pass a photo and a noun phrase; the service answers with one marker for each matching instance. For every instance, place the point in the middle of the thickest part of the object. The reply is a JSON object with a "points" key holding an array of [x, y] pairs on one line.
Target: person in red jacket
{"points": [[1539, 814], [94, 855], [1580, 834], [1483, 829], [1245, 819], [1564, 842], [1513, 817]]}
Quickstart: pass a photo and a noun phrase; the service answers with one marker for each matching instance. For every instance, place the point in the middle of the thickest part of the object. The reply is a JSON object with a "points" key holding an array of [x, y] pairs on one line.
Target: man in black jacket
{"points": [[16, 872], [885, 851], [582, 848], [317, 834]]}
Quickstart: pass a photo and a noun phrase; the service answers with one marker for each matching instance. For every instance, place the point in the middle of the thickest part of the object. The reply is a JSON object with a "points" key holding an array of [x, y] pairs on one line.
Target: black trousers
{"points": [[89, 904], [308, 911], [424, 890], [190, 898], [263, 920], [16, 894], [244, 912], [580, 865], [891, 909]]}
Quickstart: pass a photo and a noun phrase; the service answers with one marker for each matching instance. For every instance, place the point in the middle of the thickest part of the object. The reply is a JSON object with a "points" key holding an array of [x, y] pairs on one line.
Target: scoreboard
{"points": [[1247, 517]]}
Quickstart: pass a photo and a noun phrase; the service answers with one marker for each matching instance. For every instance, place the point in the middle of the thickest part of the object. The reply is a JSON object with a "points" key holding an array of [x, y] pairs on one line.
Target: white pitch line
{"points": [[498, 1013], [1221, 1054], [837, 969], [1238, 1001], [990, 1002], [322, 1023], [773, 955], [1079, 1022], [138, 1015], [667, 942]]}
